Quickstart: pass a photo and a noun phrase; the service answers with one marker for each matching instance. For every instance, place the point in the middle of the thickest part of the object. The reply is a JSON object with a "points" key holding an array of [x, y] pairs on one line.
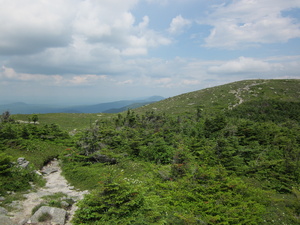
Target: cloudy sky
{"points": [[93, 51]]}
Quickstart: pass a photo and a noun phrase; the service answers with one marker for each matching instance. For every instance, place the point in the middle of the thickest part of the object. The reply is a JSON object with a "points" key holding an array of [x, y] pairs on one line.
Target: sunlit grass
{"points": [[66, 121]]}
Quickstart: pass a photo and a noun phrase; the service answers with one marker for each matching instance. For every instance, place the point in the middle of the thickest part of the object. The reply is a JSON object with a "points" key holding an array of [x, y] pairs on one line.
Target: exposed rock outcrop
{"points": [[56, 215], [22, 162]]}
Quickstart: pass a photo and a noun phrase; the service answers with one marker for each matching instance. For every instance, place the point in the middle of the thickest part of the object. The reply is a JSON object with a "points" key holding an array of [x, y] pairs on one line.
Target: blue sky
{"points": [[93, 51]]}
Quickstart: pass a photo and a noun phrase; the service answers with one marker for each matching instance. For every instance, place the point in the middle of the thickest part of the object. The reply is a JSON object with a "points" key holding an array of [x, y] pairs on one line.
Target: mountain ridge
{"points": [[24, 108]]}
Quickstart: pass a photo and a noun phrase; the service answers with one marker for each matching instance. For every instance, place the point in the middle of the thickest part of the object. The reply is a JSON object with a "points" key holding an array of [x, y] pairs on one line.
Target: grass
{"points": [[55, 196], [30, 149], [66, 121], [98, 173], [17, 196], [37, 207], [54, 200]]}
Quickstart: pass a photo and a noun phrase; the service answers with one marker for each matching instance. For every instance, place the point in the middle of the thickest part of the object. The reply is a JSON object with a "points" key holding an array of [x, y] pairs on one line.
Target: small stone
{"points": [[49, 170], [64, 204], [23, 162], [2, 198], [38, 173], [3, 211]]}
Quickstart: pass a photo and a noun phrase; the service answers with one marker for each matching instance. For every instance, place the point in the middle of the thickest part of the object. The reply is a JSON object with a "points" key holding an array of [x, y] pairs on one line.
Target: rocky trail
{"points": [[238, 93], [55, 183]]}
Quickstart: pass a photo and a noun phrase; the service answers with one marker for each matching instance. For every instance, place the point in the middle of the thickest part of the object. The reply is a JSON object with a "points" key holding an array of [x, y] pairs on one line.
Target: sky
{"points": [[93, 51]]}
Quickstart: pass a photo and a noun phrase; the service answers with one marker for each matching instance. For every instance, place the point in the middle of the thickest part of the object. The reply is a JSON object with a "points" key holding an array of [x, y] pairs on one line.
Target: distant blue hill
{"points": [[109, 107], [125, 108]]}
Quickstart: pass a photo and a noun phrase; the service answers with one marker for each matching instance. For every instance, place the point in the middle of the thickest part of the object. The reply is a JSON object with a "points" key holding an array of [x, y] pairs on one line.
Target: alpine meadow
{"points": [[228, 154]]}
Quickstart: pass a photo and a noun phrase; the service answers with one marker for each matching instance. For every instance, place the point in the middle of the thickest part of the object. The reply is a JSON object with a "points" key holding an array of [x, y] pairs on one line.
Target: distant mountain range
{"points": [[108, 107]]}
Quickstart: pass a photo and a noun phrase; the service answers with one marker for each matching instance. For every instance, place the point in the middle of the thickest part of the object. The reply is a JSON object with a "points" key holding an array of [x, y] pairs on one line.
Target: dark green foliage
{"points": [[6, 117], [25, 140], [17, 180], [212, 125], [5, 164], [206, 166], [113, 203], [268, 110], [34, 118]]}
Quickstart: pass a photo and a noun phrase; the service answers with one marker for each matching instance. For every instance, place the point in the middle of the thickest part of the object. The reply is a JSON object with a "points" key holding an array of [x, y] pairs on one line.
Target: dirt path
{"points": [[56, 183]]}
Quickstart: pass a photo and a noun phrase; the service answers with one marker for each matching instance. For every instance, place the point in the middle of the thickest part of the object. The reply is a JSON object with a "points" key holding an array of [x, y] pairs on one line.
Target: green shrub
{"points": [[5, 164], [111, 202]]}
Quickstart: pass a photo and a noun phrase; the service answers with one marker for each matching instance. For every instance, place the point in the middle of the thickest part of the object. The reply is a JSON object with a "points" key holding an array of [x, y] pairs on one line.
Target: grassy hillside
{"points": [[227, 96], [222, 155], [66, 121]]}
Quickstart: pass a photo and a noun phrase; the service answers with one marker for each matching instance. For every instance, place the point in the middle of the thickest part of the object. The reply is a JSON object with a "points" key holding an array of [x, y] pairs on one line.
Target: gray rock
{"points": [[58, 215], [25, 165], [2, 198], [3, 211], [4, 220], [49, 170], [64, 204], [23, 162], [23, 222]]}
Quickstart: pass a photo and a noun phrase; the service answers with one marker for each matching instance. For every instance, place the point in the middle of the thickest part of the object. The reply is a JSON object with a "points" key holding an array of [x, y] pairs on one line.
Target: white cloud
{"points": [[251, 22], [52, 27], [191, 82], [125, 82], [134, 51], [244, 65], [178, 24], [31, 26], [113, 25], [167, 2], [144, 24], [165, 80], [9, 74], [85, 79]]}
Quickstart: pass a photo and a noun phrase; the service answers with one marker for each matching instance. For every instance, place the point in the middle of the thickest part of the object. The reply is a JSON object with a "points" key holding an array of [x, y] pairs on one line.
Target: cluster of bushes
{"points": [[240, 166], [38, 144], [192, 169], [12, 177]]}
